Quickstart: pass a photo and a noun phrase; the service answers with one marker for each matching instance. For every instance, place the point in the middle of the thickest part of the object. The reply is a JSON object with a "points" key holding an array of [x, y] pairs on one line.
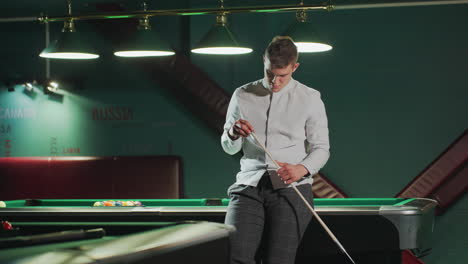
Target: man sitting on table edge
{"points": [[289, 119]]}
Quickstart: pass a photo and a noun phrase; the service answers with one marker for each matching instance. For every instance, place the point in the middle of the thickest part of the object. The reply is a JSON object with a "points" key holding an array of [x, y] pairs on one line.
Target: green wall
{"points": [[395, 87]]}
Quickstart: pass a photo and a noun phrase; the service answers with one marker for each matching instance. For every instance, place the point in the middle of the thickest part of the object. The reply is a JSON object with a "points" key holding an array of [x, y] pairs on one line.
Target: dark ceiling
{"points": [[59, 7], [33, 8]]}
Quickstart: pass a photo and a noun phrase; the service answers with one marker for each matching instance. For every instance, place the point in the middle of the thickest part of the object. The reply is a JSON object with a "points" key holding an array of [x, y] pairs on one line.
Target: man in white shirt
{"points": [[289, 119]]}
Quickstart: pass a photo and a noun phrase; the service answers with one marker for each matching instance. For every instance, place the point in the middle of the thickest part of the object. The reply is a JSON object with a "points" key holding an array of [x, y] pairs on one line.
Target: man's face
{"points": [[277, 78]]}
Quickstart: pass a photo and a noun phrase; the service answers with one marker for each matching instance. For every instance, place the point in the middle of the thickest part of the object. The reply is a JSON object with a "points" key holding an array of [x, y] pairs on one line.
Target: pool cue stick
{"points": [[333, 237]]}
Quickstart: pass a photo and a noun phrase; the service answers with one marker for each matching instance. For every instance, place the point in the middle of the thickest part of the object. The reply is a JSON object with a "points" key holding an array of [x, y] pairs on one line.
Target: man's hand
{"points": [[241, 128], [290, 173]]}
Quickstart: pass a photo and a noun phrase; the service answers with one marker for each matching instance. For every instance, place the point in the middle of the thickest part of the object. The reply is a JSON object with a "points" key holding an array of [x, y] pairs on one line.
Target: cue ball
{"points": [[2, 204]]}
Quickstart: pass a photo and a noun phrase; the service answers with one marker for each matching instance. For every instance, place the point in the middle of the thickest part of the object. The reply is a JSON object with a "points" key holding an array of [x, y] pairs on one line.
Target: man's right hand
{"points": [[241, 128]]}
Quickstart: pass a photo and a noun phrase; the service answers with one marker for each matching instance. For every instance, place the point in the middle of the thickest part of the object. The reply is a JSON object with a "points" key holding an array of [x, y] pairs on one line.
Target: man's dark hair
{"points": [[282, 52]]}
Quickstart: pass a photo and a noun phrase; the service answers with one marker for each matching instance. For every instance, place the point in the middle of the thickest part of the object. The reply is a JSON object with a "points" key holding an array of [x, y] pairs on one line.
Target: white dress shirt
{"points": [[291, 123]]}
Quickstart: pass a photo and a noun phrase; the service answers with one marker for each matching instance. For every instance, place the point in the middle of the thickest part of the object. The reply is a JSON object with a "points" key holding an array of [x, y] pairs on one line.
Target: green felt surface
{"points": [[205, 202]]}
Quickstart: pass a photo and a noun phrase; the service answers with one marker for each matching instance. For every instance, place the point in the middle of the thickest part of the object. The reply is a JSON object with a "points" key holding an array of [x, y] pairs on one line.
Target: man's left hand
{"points": [[290, 173]]}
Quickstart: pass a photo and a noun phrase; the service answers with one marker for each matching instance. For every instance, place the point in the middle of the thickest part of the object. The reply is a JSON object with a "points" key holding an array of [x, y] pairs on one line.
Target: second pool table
{"points": [[115, 242]]}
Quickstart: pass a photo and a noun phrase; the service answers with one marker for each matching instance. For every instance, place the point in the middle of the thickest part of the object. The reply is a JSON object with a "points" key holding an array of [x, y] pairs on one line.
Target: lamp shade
{"points": [[69, 45], [220, 41], [146, 44], [306, 37]]}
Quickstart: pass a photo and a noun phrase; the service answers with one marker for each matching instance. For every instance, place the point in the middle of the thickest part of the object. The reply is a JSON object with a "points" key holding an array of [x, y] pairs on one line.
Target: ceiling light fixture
{"points": [[220, 40], [49, 86], [52, 86], [11, 87], [305, 36], [29, 86], [69, 45], [146, 44]]}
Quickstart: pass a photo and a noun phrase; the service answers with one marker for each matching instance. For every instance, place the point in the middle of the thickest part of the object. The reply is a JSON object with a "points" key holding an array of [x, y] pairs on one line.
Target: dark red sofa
{"points": [[120, 177]]}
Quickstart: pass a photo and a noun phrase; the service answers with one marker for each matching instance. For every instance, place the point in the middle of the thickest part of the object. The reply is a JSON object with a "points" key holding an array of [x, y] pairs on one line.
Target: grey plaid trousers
{"points": [[269, 223]]}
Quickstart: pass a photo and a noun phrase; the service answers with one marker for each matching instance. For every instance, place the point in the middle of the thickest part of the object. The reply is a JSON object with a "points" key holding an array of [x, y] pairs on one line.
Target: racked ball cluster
{"points": [[117, 203]]}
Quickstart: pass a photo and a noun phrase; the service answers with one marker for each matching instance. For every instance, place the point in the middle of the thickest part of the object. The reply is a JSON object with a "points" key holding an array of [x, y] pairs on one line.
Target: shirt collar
{"points": [[291, 83]]}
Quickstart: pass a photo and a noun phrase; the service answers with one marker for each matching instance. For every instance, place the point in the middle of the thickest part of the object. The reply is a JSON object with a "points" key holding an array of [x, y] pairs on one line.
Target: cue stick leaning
{"points": [[333, 237]]}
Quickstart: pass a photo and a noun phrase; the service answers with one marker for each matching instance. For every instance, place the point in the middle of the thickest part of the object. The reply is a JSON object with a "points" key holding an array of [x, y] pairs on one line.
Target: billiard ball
{"points": [[6, 225], [2, 204]]}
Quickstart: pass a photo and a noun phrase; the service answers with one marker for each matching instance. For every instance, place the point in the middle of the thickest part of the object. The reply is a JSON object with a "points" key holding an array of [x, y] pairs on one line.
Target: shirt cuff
{"points": [[231, 135], [315, 161], [230, 146]]}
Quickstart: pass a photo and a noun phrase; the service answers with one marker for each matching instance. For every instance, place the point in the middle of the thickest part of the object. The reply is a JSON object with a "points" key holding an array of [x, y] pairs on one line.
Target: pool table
{"points": [[372, 230], [120, 242]]}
